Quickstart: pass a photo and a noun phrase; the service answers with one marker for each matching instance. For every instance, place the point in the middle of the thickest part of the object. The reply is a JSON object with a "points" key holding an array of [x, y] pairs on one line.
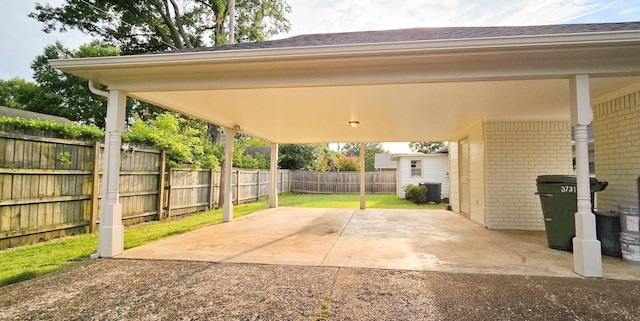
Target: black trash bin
{"points": [[558, 197], [608, 232]]}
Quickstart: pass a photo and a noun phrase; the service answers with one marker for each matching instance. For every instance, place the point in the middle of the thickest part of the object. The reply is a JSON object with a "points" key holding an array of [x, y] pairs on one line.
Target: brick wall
{"points": [[616, 123], [516, 153]]}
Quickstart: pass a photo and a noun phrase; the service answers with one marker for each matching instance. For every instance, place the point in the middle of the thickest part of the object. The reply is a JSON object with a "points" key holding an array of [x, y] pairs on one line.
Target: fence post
{"points": [[373, 183], [216, 189], [169, 192], [94, 190], [211, 187], [163, 162], [281, 182], [238, 187], [258, 189]]}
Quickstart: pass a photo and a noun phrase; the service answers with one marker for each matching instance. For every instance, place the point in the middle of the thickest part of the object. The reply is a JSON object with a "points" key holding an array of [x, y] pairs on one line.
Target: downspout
{"points": [[94, 89]]}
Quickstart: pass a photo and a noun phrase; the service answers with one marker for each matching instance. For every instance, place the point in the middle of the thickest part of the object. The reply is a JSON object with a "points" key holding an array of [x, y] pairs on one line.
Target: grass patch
{"points": [[352, 201], [323, 312], [26, 262], [144, 233]]}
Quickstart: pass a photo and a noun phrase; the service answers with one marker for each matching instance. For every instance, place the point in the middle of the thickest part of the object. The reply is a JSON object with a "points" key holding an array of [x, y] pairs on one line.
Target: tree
{"points": [[425, 147], [325, 159], [67, 95], [296, 156], [160, 25], [348, 164], [19, 93], [183, 137], [370, 151], [307, 156]]}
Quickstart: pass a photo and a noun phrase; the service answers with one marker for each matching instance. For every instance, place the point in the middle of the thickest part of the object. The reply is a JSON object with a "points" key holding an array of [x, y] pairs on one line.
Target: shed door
{"points": [[465, 188]]}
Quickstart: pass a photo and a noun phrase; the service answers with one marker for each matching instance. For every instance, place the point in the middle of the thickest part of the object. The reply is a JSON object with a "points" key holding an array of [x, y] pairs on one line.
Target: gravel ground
{"points": [[166, 290]]}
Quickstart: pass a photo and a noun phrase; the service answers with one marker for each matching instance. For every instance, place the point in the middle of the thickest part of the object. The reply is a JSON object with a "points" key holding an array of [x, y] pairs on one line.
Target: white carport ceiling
{"points": [[426, 90]]}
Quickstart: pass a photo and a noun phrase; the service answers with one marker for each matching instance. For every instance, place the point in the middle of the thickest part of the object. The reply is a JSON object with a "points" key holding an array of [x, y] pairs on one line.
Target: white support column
{"points": [[111, 232], [273, 177], [362, 183], [587, 259], [227, 206]]}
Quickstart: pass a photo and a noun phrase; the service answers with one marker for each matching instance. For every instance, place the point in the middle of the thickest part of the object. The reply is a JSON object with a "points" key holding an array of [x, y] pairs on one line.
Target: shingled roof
{"points": [[424, 34]]}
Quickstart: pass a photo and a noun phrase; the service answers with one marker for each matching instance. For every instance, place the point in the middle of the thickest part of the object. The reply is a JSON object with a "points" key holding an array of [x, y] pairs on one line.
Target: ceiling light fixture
{"points": [[354, 123]]}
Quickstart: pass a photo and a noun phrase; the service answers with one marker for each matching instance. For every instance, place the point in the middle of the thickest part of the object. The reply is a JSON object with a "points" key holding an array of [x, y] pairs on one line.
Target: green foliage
{"points": [[66, 95], [27, 262], [69, 130], [69, 96], [370, 151], [152, 25], [351, 201], [64, 158], [296, 156], [242, 160], [184, 139], [416, 194], [19, 93], [425, 147], [316, 157], [325, 160], [242, 140], [348, 164]]}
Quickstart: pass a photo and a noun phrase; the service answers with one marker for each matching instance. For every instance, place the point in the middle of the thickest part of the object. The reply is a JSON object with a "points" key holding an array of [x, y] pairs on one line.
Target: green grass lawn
{"points": [[351, 201], [26, 262]]}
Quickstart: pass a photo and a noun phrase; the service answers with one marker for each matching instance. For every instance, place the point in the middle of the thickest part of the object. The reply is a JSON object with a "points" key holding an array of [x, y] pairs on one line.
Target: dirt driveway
{"points": [[173, 290]]}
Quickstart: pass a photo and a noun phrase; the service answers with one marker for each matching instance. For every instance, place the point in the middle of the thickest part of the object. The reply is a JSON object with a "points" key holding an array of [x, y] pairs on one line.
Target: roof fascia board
{"points": [[244, 55]]}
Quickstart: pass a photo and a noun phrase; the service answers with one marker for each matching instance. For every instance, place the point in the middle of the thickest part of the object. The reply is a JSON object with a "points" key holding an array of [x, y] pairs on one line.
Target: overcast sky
{"points": [[22, 39]]}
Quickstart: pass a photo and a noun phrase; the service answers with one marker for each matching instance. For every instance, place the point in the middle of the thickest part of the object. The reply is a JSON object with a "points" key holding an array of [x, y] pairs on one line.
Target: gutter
{"points": [[94, 89], [335, 51]]}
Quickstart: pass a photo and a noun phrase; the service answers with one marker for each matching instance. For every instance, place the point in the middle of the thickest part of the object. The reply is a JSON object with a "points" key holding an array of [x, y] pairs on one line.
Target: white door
{"points": [[465, 187]]}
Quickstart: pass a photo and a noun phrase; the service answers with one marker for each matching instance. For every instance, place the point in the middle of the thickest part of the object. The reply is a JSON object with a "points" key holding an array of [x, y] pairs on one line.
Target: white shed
{"points": [[414, 169]]}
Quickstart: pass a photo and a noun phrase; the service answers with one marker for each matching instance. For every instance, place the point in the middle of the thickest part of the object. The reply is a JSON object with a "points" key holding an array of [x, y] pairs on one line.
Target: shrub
{"points": [[39, 127], [348, 164], [184, 139], [416, 194]]}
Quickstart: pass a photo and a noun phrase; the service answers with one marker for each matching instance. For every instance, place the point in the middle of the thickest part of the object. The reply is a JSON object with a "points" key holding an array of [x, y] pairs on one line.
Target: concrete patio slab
{"points": [[423, 240]]}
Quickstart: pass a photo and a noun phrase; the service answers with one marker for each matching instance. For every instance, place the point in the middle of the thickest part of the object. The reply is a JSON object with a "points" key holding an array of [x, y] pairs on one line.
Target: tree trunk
{"points": [[216, 134]]}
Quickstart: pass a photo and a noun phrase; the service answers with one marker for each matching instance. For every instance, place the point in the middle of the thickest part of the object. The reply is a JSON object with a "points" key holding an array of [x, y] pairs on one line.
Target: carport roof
{"points": [[401, 85], [422, 34]]}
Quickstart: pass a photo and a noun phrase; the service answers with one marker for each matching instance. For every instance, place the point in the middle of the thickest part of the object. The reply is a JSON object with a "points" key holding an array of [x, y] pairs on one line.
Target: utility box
{"points": [[434, 192]]}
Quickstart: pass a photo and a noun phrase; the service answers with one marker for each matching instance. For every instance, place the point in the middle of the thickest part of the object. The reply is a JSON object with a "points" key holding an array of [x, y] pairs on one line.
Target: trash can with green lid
{"points": [[558, 197]]}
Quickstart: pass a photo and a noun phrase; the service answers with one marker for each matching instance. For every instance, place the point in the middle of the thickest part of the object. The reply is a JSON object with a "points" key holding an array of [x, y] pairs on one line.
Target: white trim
{"points": [[438, 45], [616, 94]]}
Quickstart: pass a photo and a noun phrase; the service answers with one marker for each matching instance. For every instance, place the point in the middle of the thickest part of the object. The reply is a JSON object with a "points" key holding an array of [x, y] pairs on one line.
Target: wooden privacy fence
{"points": [[49, 187], [342, 182], [193, 191]]}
